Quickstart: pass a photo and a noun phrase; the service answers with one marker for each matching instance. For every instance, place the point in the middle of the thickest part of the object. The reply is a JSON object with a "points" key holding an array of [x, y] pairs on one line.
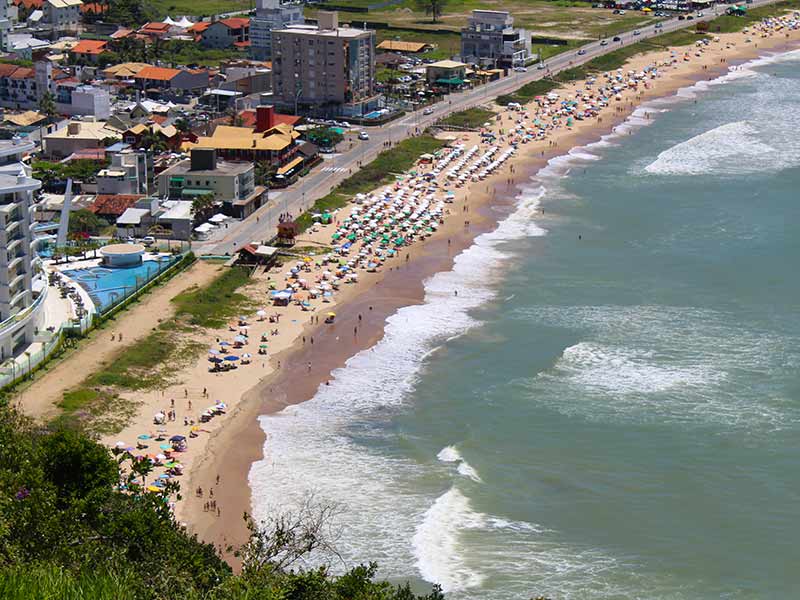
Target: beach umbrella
{"points": [[213, 351], [165, 447], [246, 355], [224, 343], [261, 313], [231, 357], [152, 488], [161, 457], [164, 476], [177, 438], [240, 338], [144, 436], [331, 314]]}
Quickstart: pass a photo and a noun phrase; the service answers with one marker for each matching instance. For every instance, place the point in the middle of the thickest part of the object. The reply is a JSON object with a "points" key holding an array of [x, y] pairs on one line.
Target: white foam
{"points": [[436, 542], [730, 148], [324, 445], [450, 454]]}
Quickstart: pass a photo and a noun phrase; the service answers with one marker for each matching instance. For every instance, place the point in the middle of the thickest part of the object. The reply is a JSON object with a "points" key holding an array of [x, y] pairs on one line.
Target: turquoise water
{"points": [[615, 416], [108, 285]]}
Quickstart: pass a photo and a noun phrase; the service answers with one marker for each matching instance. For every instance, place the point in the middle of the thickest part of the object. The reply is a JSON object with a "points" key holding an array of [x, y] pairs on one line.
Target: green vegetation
{"points": [[79, 523], [325, 137], [216, 304], [200, 8], [189, 53], [447, 43], [434, 8], [85, 222], [148, 363], [470, 118], [379, 172], [77, 170]]}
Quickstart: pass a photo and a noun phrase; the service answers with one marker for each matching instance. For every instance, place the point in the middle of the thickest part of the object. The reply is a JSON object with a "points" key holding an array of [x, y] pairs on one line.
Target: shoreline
{"points": [[232, 449]]}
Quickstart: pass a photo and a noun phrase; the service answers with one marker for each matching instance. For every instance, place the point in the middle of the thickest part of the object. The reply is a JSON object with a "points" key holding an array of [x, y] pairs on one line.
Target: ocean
{"points": [[610, 406]]}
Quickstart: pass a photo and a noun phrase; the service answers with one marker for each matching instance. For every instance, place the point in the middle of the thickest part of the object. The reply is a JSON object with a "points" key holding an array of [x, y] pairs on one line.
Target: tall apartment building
{"points": [[271, 14], [5, 26], [490, 38], [324, 69], [19, 312]]}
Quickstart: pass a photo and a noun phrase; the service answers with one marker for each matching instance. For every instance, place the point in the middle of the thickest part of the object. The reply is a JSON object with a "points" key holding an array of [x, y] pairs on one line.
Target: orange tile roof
{"points": [[89, 47], [94, 7], [200, 27], [23, 73], [155, 27], [107, 204], [121, 33], [236, 22], [7, 69], [29, 4], [157, 73]]}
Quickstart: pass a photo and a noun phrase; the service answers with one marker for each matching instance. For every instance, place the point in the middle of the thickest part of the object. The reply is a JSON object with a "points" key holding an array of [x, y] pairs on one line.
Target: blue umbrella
{"points": [[144, 436], [231, 357], [224, 344]]}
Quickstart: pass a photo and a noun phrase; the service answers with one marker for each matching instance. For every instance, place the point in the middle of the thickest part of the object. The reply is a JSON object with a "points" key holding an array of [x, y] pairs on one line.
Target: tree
{"points": [[327, 137], [153, 141], [47, 106], [84, 222], [434, 8], [264, 172], [202, 206]]}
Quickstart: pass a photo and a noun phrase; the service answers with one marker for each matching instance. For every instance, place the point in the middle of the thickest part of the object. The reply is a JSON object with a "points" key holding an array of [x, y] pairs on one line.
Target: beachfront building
{"points": [[20, 303], [449, 73], [272, 142], [491, 39], [231, 183], [150, 216], [271, 14], [324, 69]]}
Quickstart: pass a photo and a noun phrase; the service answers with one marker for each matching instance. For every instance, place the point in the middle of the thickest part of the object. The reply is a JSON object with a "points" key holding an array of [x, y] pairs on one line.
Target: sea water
{"points": [[610, 406]]}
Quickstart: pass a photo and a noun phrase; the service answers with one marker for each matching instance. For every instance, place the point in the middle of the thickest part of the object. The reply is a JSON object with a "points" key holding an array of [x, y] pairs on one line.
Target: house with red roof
{"points": [[162, 78], [111, 206], [18, 87], [154, 31], [227, 33], [88, 50]]}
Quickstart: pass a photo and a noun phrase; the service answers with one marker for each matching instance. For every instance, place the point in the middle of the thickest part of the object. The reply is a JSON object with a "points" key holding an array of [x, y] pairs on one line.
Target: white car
{"points": [[363, 135], [636, 32], [148, 240], [521, 69], [604, 43], [427, 111]]}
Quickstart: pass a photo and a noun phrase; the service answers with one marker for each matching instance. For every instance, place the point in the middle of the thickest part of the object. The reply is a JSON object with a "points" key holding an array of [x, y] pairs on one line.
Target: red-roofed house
{"points": [[18, 87], [111, 206], [269, 119], [88, 50], [226, 33], [172, 79], [197, 29], [155, 30], [93, 10]]}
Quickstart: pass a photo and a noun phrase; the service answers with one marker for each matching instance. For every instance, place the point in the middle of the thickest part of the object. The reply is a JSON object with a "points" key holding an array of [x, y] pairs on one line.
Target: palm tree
{"points": [[47, 106], [202, 205]]}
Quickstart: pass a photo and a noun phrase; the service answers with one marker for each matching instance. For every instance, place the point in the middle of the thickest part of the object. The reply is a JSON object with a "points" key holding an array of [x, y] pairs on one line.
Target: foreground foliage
{"points": [[67, 533]]}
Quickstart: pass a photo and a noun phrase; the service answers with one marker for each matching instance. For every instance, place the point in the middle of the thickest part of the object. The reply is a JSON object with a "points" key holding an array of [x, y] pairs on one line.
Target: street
{"points": [[299, 197]]}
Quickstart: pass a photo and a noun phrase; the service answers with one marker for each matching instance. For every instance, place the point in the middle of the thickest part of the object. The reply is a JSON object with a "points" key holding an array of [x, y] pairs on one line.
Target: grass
{"points": [[150, 362], [174, 8], [470, 118], [447, 44], [189, 53], [379, 172], [608, 62], [214, 305]]}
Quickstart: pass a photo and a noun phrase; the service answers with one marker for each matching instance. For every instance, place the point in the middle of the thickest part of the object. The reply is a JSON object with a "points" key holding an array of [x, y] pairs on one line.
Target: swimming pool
{"points": [[107, 286]]}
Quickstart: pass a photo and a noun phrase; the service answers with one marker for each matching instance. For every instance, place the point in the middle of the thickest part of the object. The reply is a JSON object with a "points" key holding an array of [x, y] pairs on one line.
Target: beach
{"points": [[227, 445]]}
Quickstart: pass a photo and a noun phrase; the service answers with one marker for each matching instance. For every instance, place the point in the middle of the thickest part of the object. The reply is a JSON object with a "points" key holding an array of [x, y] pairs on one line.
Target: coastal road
{"points": [[302, 195]]}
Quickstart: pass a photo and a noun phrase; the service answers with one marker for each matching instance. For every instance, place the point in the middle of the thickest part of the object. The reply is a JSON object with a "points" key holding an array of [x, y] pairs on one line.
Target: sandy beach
{"points": [[302, 355]]}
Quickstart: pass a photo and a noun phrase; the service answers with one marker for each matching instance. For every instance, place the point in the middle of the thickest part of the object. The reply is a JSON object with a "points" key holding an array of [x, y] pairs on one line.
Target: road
{"points": [[301, 196]]}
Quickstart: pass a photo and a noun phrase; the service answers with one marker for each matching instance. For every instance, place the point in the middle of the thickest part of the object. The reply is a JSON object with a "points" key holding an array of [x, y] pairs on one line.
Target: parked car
{"points": [[616, 39], [363, 135], [148, 240], [636, 32], [690, 18], [681, 17], [581, 52], [604, 43], [520, 69], [427, 111], [622, 12]]}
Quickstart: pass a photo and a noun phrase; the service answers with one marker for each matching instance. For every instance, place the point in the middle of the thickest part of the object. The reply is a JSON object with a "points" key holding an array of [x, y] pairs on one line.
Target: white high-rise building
{"points": [[19, 309], [271, 14], [5, 26]]}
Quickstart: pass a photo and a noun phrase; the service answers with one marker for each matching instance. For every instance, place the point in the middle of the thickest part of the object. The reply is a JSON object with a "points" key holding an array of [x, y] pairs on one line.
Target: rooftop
{"points": [[223, 168], [400, 46], [176, 209], [89, 47], [157, 73], [340, 32], [447, 64]]}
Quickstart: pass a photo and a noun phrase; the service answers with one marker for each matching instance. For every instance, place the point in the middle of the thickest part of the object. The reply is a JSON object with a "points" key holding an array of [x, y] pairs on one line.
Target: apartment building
{"points": [[63, 15], [130, 173], [19, 310], [324, 68], [490, 38], [271, 14]]}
